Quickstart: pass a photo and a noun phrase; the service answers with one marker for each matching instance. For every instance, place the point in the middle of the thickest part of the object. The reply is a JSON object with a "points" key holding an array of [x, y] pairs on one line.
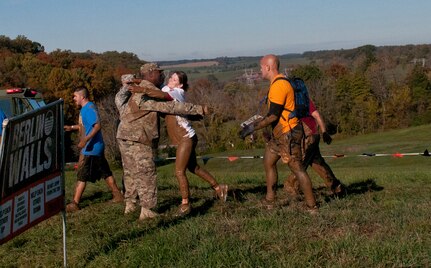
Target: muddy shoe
{"points": [[147, 214], [312, 210], [72, 207], [222, 193], [130, 207], [117, 197], [183, 210], [338, 189], [267, 204]]}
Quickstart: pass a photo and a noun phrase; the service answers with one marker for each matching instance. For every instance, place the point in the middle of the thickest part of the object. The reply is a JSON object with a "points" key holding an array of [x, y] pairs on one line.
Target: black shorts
{"points": [[93, 168]]}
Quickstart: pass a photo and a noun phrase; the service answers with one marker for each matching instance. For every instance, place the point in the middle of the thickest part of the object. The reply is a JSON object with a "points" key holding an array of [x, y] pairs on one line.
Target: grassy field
{"points": [[232, 71], [384, 221]]}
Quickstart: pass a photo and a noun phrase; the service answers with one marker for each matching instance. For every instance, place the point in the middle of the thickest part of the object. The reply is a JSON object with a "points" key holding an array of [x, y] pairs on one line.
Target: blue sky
{"points": [[170, 30]]}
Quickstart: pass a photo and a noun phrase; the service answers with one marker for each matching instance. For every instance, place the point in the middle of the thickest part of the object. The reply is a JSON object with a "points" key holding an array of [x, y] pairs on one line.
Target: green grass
{"points": [[384, 221]]}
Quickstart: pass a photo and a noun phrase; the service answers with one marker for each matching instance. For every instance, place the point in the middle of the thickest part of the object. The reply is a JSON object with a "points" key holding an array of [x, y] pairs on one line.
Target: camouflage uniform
{"points": [[139, 173], [137, 135]]}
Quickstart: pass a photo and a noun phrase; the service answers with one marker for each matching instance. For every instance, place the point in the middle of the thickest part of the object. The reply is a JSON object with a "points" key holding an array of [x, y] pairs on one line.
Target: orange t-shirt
{"points": [[281, 92]]}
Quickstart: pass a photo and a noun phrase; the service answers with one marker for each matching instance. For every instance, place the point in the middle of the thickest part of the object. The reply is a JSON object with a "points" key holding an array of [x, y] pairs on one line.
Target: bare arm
{"points": [[150, 90], [316, 115], [71, 127], [93, 132], [326, 137]]}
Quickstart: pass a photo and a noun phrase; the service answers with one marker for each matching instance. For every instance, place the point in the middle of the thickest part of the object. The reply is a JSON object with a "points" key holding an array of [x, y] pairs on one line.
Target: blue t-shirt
{"points": [[2, 117], [90, 117]]}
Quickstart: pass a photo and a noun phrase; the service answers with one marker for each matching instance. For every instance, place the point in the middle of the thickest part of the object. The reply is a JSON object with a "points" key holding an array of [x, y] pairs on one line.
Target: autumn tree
{"points": [[420, 87]]}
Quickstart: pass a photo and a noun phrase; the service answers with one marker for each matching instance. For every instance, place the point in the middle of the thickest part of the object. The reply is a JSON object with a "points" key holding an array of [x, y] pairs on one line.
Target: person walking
{"points": [[286, 138], [93, 164], [312, 157]]}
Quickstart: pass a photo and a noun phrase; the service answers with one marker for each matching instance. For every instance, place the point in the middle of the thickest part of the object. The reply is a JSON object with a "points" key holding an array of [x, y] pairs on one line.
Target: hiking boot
{"points": [[147, 214], [267, 204], [72, 207], [130, 207], [183, 210], [117, 197], [222, 193]]}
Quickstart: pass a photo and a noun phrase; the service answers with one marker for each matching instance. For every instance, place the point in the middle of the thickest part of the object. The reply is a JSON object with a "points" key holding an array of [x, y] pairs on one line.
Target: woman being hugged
{"points": [[182, 134]]}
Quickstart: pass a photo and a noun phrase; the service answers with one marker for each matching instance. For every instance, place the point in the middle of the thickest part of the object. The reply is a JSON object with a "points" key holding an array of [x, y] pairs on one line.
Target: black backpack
{"points": [[302, 99]]}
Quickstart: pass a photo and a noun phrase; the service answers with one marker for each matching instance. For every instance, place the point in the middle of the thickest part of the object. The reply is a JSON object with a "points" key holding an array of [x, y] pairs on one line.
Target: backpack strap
{"points": [[280, 78], [284, 107], [275, 80]]}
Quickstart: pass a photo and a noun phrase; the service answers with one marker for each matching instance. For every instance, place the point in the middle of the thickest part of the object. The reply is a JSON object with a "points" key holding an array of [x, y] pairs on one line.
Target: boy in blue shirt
{"points": [[92, 164]]}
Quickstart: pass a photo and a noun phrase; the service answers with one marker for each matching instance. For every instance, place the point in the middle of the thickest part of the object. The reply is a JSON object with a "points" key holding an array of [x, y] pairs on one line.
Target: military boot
{"points": [[130, 207], [147, 214]]}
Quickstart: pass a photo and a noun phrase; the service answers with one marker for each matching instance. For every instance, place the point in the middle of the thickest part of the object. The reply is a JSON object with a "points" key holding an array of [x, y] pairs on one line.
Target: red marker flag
{"points": [[232, 158]]}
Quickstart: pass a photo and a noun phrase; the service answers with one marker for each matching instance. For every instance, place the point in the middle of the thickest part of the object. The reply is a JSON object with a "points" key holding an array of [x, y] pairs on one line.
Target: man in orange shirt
{"points": [[287, 135]]}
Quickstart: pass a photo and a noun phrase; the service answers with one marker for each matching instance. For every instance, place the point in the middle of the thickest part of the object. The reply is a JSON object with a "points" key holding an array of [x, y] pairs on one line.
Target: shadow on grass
{"points": [[151, 226], [239, 195], [97, 197], [166, 209], [362, 187], [167, 205], [200, 207], [356, 188]]}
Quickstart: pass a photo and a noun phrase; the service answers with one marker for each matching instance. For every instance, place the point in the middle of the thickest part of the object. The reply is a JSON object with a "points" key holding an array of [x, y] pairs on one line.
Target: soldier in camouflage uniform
{"points": [[138, 134], [184, 138]]}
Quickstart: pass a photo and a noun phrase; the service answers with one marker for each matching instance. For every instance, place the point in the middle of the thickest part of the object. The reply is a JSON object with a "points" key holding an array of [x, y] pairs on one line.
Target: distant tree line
{"points": [[24, 63], [370, 88], [361, 90]]}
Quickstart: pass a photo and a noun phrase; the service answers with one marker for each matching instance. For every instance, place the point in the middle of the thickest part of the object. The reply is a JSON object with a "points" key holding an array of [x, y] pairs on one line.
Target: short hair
{"points": [[84, 91]]}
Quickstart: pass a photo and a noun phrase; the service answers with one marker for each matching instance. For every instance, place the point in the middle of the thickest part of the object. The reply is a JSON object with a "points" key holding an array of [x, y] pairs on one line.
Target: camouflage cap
{"points": [[149, 67]]}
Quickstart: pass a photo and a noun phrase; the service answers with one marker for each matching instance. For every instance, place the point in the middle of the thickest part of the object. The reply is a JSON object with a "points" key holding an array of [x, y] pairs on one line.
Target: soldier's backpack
{"points": [[302, 99]]}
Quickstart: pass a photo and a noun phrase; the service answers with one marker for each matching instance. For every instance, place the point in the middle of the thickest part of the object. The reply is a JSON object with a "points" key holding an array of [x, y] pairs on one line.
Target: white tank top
{"points": [[178, 95]]}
